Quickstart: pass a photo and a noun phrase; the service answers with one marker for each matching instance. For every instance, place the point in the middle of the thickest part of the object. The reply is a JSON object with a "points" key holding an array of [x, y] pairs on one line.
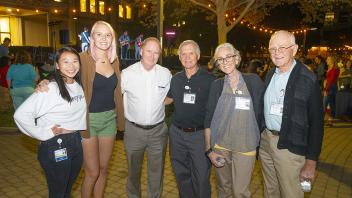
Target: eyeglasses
{"points": [[224, 60], [279, 49]]}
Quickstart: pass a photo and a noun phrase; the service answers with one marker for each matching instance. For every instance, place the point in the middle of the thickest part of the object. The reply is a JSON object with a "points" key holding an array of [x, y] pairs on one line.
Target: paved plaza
{"points": [[21, 175]]}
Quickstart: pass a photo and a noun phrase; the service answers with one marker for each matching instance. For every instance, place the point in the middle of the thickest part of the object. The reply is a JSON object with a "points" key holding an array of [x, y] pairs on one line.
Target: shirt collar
{"points": [[143, 70], [198, 72], [240, 80]]}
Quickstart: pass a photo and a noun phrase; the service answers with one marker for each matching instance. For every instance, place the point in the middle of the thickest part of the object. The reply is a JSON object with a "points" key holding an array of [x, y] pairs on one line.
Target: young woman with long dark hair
{"points": [[55, 118]]}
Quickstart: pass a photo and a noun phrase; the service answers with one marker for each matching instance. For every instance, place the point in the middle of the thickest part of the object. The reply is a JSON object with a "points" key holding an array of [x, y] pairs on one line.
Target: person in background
{"points": [[264, 70], [330, 88], [291, 143], [254, 66], [345, 77], [233, 124], [55, 118], [4, 90], [21, 78], [4, 49], [320, 69], [85, 39], [124, 40], [137, 47], [3, 71]]}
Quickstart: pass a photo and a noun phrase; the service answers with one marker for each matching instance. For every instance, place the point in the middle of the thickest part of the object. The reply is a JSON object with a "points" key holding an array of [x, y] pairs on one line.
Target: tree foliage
{"points": [[226, 14]]}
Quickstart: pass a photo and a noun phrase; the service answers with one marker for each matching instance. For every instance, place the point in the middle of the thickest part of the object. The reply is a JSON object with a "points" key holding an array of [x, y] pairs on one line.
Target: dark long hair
{"points": [[58, 76]]}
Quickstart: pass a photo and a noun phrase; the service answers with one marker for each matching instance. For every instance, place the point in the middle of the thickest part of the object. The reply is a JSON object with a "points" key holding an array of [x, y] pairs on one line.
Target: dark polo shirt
{"points": [[190, 115]]}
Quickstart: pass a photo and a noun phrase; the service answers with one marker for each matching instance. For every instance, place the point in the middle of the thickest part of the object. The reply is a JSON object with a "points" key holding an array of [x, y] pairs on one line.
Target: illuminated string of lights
{"points": [[269, 30]]}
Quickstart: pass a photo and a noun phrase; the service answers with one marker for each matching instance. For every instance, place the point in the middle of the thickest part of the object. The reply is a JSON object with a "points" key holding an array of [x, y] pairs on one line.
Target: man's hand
{"points": [[168, 101], [308, 171], [42, 86]]}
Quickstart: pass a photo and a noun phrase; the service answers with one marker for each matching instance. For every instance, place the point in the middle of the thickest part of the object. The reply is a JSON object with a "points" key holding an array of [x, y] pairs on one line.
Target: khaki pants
{"points": [[235, 176], [153, 141], [281, 169]]}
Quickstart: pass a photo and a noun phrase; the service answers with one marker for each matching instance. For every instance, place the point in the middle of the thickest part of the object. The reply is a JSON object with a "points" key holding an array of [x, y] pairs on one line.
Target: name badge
{"points": [[276, 109], [242, 103], [60, 154], [189, 98]]}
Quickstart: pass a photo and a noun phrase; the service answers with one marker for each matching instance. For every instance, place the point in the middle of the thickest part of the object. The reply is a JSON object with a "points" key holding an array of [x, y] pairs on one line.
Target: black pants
{"points": [[190, 165], [61, 175]]}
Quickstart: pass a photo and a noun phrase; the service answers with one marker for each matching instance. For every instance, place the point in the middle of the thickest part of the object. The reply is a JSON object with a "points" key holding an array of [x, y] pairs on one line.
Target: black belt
{"points": [[276, 133], [190, 130], [146, 127]]}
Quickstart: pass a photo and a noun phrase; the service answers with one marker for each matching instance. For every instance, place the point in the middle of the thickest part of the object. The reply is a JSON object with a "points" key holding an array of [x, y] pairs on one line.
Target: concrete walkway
{"points": [[21, 175]]}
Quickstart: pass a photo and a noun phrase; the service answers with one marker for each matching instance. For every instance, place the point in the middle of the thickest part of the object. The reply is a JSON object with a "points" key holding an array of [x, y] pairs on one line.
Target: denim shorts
{"points": [[102, 123]]}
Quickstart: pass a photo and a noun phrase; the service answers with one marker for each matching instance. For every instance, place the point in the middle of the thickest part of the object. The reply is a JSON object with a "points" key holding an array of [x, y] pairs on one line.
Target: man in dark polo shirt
{"points": [[189, 92]]}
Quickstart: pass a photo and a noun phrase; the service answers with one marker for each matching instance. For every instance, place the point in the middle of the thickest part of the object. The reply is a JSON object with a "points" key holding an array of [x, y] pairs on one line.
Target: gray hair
{"points": [[231, 48], [289, 34], [189, 42]]}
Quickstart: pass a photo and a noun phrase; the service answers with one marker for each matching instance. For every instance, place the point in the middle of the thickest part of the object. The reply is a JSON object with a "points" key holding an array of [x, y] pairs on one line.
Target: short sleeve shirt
{"points": [[189, 115]]}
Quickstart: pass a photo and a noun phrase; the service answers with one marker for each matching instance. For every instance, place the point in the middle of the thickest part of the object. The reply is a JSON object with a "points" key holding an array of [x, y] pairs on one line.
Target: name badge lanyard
{"points": [[61, 153], [188, 96]]}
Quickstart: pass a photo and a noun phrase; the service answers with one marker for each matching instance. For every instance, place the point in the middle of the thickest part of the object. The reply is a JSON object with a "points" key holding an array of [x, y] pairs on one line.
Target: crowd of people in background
{"points": [[279, 101]]}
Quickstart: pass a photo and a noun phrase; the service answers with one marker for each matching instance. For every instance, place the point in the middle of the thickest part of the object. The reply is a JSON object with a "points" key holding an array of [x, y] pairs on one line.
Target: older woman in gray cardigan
{"points": [[233, 124]]}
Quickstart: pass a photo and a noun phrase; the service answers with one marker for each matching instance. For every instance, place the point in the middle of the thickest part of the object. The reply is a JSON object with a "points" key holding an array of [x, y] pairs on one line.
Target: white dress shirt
{"points": [[144, 93]]}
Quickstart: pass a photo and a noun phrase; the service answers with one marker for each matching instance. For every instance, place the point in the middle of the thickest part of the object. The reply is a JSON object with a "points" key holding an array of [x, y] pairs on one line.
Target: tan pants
{"points": [[281, 169], [235, 176], [137, 142]]}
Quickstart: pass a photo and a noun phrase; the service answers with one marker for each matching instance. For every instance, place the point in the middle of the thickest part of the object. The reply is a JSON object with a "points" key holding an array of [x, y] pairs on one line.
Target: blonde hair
{"points": [[144, 43], [112, 55]]}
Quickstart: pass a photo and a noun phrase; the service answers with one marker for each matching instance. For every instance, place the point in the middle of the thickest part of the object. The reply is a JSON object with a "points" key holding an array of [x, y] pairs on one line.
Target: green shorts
{"points": [[102, 123]]}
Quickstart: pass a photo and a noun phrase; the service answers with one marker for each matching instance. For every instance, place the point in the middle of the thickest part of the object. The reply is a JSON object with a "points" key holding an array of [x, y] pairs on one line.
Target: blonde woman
{"points": [[101, 84]]}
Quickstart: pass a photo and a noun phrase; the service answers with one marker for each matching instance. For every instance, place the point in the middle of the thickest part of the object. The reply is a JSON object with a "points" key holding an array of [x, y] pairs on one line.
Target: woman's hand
{"points": [[58, 131], [42, 86], [213, 158]]}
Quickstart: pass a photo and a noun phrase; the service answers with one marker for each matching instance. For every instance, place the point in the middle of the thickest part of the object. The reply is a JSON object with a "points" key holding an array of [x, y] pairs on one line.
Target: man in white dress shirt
{"points": [[144, 87]]}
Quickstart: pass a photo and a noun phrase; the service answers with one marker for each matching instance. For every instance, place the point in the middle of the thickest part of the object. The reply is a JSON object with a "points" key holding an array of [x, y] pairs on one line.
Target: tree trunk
{"points": [[222, 35], [221, 22]]}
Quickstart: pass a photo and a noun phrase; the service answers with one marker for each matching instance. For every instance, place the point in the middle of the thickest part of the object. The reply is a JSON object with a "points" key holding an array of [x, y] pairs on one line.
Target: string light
{"points": [[269, 30]]}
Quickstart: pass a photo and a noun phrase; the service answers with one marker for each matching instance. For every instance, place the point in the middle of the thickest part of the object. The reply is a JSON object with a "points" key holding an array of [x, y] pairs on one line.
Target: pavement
{"points": [[22, 176]]}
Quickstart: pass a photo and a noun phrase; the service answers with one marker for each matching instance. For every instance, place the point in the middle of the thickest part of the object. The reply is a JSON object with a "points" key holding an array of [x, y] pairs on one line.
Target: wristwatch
{"points": [[207, 152]]}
